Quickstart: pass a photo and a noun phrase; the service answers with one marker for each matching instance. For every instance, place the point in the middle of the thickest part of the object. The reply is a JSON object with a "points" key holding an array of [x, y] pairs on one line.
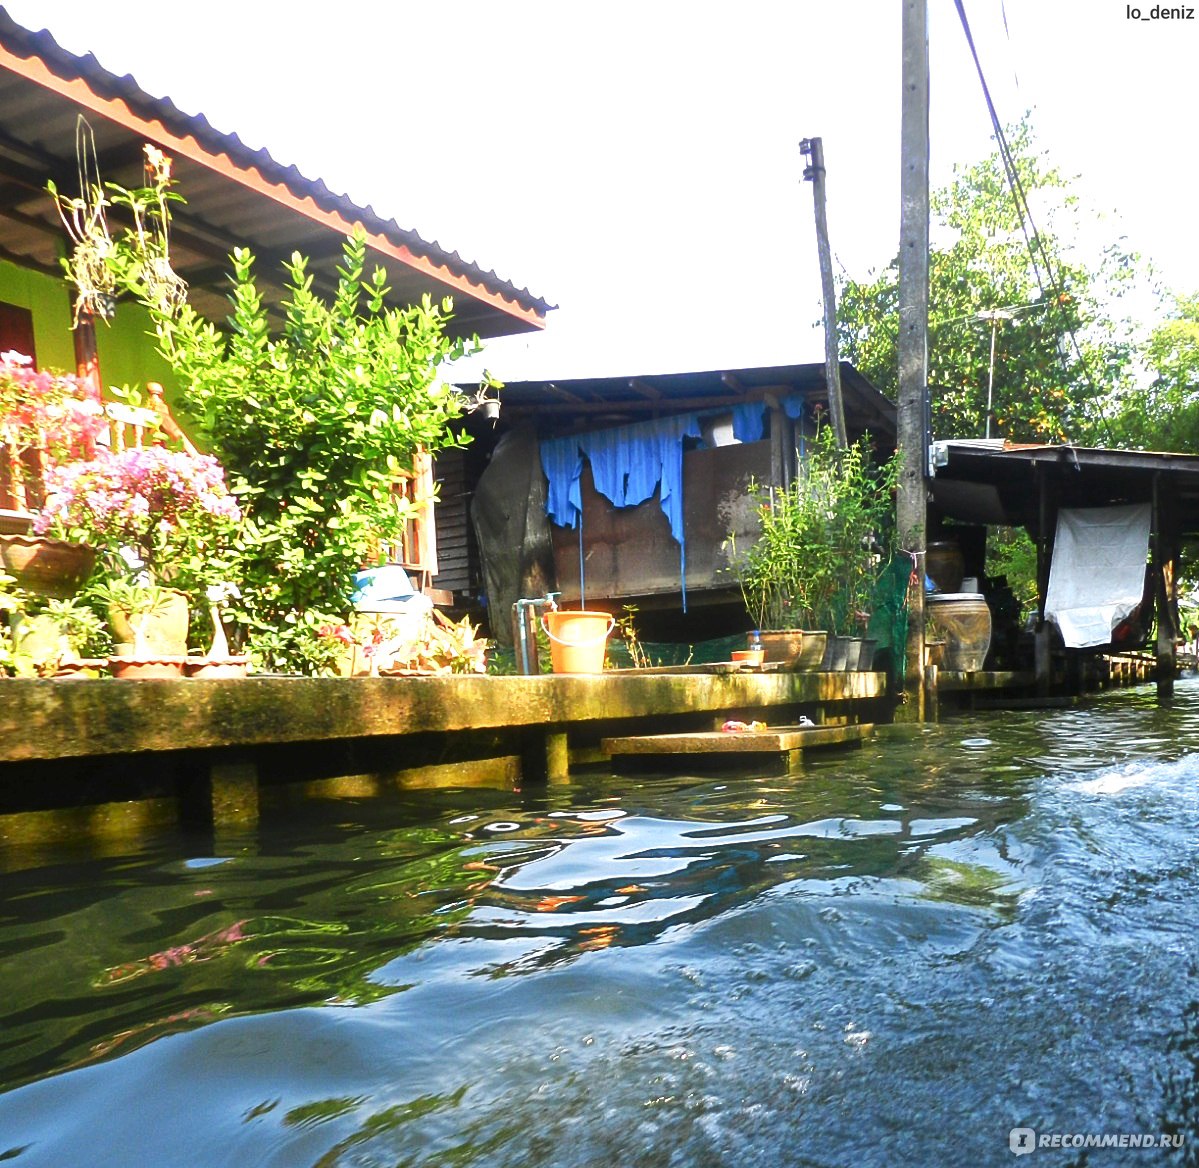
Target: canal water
{"points": [[897, 957]]}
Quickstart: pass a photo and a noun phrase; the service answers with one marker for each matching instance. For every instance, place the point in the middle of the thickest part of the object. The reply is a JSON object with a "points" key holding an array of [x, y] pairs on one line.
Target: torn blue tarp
{"points": [[793, 406], [628, 463], [563, 465]]}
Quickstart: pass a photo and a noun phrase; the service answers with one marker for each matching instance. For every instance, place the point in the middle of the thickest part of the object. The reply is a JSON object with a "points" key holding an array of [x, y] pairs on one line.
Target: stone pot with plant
{"points": [[148, 626]]}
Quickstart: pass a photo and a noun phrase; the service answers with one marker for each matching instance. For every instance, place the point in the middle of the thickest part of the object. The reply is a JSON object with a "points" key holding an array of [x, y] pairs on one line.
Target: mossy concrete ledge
{"points": [[210, 745], [45, 719]]}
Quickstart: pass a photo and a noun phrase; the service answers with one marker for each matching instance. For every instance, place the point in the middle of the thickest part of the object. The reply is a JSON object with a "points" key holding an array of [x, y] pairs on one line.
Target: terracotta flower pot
{"points": [[146, 668], [81, 669], [749, 657], [48, 567], [210, 668]]}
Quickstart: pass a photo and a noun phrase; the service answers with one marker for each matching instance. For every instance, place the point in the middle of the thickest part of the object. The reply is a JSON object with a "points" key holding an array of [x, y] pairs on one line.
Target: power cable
{"points": [[1024, 213]]}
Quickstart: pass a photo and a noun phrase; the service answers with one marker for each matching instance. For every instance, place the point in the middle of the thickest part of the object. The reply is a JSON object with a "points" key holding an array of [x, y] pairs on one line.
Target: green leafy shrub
{"points": [[813, 564], [316, 426]]}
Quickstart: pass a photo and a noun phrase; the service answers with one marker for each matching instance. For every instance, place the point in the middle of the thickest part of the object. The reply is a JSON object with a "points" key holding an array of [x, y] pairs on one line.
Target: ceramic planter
{"points": [[81, 668], [812, 654], [165, 631], [211, 668], [783, 646], [48, 567], [752, 658], [146, 668]]}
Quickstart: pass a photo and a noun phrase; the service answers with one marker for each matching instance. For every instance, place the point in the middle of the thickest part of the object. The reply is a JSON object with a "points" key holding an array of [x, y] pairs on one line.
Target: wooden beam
{"points": [[564, 393], [640, 386], [579, 406], [22, 261]]}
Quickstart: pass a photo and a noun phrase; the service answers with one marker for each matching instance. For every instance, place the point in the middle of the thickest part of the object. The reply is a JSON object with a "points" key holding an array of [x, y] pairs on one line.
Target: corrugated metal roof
{"points": [[595, 401], [37, 135]]}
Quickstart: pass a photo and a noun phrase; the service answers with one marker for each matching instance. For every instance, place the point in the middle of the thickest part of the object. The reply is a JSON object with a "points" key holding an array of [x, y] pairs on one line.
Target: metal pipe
{"points": [[525, 640]]}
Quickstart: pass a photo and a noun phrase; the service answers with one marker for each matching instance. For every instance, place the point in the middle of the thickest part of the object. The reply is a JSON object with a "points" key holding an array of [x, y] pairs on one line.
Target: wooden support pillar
{"points": [[221, 794], [1164, 591], [1043, 660], [544, 756], [779, 430], [87, 358]]}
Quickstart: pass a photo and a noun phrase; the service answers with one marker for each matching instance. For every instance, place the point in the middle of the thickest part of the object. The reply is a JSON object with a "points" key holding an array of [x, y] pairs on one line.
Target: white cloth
{"points": [[1097, 576]]}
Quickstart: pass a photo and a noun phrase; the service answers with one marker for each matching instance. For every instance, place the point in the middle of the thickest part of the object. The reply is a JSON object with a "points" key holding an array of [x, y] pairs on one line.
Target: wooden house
{"points": [[623, 490]]}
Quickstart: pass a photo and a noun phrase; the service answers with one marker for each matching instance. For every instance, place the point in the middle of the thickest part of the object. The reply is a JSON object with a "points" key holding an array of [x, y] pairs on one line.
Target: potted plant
{"points": [[45, 418], [143, 621], [218, 662], [163, 513], [102, 265], [811, 566], [57, 638]]}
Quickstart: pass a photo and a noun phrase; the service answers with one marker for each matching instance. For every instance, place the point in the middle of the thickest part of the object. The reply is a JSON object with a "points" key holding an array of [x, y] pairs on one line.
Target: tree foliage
{"points": [[1164, 414], [982, 270], [315, 426]]}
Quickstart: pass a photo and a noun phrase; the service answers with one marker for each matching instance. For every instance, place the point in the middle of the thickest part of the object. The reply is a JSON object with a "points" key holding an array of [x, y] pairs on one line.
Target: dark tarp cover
{"points": [[508, 513]]}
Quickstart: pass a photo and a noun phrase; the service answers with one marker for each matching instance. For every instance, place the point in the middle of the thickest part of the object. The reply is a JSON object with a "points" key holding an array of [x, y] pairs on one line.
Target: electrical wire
{"points": [[1055, 291]]}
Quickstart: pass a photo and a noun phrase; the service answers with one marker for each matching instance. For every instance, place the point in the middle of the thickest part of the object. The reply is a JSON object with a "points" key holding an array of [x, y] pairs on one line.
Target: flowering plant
{"points": [[169, 508], [55, 416]]}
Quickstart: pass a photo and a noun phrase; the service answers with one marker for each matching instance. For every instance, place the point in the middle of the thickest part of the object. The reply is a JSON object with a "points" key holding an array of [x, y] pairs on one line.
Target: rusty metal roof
{"points": [[235, 196], [1000, 483], [590, 402]]}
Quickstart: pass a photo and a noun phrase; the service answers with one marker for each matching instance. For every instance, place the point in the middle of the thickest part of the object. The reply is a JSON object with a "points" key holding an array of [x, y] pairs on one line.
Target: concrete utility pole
{"points": [[814, 173], [912, 512]]}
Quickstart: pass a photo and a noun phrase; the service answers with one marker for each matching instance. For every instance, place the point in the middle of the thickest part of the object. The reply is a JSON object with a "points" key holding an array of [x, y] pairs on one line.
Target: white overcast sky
{"points": [[637, 163]]}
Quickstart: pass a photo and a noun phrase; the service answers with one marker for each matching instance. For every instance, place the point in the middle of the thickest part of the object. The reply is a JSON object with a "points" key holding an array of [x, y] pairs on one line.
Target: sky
{"points": [[637, 164]]}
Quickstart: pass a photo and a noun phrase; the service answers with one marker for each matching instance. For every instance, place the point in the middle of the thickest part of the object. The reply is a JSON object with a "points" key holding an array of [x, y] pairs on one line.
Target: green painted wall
{"points": [[127, 352], [50, 303]]}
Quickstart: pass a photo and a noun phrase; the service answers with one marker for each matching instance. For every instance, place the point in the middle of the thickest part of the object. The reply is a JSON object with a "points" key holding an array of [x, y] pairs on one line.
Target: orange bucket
{"points": [[577, 639]]}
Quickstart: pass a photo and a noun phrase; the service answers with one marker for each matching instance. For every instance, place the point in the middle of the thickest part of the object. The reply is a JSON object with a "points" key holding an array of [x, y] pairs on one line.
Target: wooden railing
{"points": [[417, 550]]}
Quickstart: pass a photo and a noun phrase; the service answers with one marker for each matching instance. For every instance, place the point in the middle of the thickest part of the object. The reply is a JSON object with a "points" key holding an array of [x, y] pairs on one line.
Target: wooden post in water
{"points": [[911, 503], [1043, 658], [1164, 543]]}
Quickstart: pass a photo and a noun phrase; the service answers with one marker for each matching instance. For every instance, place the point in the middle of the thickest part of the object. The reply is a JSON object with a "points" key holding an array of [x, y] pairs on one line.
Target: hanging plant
{"points": [[101, 265]]}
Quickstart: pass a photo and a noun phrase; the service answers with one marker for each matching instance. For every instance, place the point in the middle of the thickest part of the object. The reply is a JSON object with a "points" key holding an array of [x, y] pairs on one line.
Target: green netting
{"points": [[889, 615], [656, 653], [667, 653]]}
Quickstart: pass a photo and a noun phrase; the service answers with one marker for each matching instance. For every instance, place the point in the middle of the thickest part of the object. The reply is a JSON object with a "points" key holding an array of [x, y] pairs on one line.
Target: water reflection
{"points": [[965, 928]]}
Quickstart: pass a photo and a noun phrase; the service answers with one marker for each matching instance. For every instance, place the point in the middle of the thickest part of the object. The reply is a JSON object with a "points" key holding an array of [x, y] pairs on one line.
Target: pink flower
{"points": [[158, 501]]}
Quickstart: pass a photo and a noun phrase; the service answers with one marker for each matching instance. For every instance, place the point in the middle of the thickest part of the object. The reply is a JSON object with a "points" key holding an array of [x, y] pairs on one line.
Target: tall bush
{"points": [[315, 425], [813, 564]]}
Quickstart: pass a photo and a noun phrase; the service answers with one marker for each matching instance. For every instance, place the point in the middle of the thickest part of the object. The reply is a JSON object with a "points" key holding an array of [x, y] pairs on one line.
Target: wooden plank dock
{"points": [[780, 748]]}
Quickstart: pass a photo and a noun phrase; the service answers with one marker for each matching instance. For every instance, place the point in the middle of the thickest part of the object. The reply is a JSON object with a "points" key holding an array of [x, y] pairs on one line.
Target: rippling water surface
{"points": [[895, 957]]}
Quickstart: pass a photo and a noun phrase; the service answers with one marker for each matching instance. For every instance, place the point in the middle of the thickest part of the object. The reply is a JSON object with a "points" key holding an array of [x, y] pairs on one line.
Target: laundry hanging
{"points": [[749, 423]]}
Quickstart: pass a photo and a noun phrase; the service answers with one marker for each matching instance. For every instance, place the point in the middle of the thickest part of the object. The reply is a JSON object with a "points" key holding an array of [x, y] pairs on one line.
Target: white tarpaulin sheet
{"points": [[1097, 576]]}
